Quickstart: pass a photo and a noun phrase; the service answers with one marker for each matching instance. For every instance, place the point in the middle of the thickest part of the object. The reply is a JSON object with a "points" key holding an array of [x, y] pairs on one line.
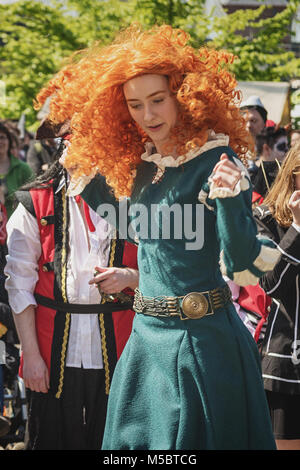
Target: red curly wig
{"points": [[89, 90]]}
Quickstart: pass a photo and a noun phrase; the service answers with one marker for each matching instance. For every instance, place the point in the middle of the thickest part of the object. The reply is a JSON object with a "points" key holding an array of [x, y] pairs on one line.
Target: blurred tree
{"points": [[261, 54], [36, 38]]}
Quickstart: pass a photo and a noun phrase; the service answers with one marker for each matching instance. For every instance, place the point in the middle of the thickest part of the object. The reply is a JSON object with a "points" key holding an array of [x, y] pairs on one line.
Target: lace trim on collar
{"points": [[214, 140]]}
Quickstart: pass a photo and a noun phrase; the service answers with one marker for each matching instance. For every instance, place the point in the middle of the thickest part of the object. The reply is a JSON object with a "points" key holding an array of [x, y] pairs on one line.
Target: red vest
{"points": [[51, 211]]}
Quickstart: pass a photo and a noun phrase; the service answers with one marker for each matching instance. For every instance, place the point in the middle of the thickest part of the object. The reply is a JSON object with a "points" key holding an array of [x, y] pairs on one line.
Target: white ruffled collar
{"points": [[214, 140]]}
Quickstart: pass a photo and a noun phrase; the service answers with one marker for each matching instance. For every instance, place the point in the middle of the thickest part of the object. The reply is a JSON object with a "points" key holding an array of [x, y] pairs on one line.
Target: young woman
{"points": [[279, 219], [13, 172], [189, 377]]}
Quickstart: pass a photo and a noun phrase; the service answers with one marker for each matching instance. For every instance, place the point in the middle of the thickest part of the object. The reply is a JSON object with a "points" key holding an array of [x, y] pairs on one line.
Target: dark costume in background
{"points": [[280, 347]]}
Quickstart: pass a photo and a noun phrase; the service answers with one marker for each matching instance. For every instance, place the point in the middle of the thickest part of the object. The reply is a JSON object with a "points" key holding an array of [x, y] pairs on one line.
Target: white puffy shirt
{"points": [[87, 250]]}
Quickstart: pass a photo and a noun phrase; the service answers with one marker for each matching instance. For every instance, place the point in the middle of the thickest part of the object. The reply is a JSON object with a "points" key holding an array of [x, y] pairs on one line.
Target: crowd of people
{"points": [[106, 358]]}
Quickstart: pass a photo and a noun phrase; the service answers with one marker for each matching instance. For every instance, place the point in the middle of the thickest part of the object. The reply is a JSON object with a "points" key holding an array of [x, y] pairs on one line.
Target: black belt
{"points": [[82, 308]]}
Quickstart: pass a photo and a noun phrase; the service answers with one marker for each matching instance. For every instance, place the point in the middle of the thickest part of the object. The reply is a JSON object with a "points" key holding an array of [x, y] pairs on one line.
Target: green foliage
{"points": [[261, 55], [188, 15], [36, 39]]}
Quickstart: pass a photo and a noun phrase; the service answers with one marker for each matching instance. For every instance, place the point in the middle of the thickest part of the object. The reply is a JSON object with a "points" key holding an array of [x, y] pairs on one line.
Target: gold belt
{"points": [[193, 306]]}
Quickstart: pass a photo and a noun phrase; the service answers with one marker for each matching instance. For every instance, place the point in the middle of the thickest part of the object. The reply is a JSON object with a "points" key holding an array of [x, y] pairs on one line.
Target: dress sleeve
{"points": [[276, 281], [99, 196], [24, 251], [244, 256]]}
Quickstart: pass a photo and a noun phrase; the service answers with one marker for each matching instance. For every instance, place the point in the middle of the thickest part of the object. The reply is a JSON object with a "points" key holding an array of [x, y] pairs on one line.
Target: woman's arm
{"points": [[276, 281], [244, 256]]}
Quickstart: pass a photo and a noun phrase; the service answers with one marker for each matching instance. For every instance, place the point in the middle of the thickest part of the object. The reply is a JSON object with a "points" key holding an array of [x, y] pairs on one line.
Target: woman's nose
{"points": [[148, 113]]}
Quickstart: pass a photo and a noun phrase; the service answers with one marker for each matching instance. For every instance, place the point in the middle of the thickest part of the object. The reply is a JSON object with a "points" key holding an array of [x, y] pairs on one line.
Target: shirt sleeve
{"points": [[24, 251], [276, 282], [245, 256]]}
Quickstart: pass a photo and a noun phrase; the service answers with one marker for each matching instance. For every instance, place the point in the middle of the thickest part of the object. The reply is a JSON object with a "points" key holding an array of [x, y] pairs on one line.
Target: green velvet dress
{"points": [[190, 384]]}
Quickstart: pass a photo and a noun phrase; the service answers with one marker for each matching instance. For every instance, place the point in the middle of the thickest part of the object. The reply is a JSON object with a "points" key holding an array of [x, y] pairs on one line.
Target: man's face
{"points": [[280, 148], [254, 122]]}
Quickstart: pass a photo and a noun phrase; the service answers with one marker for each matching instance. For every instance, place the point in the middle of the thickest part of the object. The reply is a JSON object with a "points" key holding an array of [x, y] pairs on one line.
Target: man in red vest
{"points": [[71, 333]]}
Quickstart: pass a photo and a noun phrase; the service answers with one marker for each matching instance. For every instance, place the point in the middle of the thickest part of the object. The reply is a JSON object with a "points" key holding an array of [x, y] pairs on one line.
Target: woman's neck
{"points": [[165, 151]]}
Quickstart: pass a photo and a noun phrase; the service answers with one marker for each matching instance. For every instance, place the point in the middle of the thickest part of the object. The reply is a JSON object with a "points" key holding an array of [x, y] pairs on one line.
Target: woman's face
{"points": [[4, 144], [152, 107], [297, 180]]}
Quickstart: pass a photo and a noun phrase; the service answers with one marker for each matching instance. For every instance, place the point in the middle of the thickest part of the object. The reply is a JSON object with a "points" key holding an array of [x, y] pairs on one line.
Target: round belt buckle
{"points": [[194, 305]]}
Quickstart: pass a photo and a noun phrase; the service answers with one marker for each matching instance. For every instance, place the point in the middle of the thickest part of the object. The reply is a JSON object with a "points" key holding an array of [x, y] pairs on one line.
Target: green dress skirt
{"points": [[188, 385]]}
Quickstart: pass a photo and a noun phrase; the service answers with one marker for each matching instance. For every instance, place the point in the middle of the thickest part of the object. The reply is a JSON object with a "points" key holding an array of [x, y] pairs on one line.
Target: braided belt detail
{"points": [[194, 305]]}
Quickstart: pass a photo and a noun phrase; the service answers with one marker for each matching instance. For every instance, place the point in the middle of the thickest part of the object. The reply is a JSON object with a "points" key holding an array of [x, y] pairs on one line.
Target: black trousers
{"points": [[73, 422]]}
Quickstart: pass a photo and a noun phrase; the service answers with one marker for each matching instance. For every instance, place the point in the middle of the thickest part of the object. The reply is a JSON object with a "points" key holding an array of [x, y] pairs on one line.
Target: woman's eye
{"points": [[135, 106], [158, 100]]}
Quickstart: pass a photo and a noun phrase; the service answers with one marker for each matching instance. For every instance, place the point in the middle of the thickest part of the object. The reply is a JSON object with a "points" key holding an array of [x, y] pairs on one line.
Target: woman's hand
{"points": [[294, 205], [114, 280], [226, 174]]}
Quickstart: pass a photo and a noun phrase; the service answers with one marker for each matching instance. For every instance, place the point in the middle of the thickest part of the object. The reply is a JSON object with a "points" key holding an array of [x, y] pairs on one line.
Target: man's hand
{"points": [[35, 373], [114, 280]]}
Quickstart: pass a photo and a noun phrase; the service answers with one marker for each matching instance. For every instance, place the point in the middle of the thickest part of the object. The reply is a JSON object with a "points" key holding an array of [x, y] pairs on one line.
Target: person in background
{"points": [[16, 146], [279, 219], [13, 172], [294, 137], [255, 114], [5, 314], [251, 302], [272, 146], [71, 333], [28, 137], [41, 154]]}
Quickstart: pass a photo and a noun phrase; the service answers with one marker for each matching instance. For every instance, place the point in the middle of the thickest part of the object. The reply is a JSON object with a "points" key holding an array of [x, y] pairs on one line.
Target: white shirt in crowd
{"points": [[87, 250]]}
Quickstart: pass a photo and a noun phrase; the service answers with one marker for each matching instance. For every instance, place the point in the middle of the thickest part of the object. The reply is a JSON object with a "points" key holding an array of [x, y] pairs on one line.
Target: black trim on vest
{"points": [[62, 320], [59, 202], [24, 197], [111, 349], [119, 251]]}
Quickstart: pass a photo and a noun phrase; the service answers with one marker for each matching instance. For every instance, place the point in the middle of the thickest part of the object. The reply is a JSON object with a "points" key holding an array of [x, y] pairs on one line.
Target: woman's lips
{"points": [[155, 128]]}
